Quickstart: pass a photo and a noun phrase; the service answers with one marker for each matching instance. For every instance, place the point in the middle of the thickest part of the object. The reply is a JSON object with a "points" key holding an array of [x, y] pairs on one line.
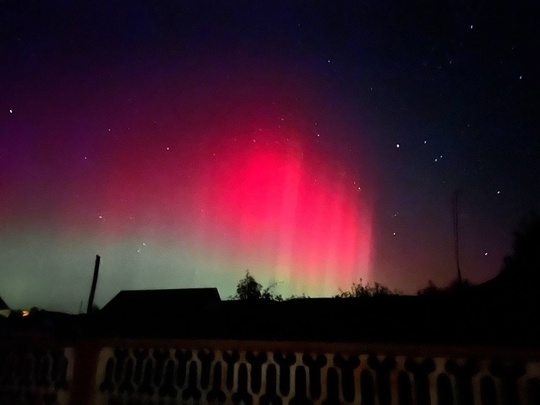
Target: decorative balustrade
{"points": [[246, 372], [250, 373], [35, 375]]}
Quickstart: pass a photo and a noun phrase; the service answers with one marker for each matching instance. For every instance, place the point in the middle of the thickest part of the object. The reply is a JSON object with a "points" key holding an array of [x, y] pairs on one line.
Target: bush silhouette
{"points": [[365, 290]]}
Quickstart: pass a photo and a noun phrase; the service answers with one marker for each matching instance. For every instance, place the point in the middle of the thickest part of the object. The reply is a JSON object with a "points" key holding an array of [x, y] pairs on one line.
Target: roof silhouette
{"points": [[148, 302], [3, 304], [175, 312]]}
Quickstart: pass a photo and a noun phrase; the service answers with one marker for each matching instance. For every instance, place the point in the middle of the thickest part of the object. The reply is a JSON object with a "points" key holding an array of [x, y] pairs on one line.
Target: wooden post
{"points": [[455, 209], [94, 284], [83, 389]]}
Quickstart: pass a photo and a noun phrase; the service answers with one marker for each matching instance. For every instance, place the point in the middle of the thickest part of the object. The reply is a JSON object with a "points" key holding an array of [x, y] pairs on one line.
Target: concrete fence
{"points": [[259, 372]]}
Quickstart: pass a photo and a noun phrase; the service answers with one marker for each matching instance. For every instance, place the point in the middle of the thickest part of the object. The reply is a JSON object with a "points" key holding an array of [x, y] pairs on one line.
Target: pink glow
{"points": [[301, 218]]}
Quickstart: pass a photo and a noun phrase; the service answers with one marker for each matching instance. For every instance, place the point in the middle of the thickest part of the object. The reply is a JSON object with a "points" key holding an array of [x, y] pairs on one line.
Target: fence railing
{"points": [[35, 375], [259, 372]]}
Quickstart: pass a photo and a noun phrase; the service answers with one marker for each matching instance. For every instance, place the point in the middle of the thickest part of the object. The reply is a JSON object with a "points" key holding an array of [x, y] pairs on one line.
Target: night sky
{"points": [[313, 143]]}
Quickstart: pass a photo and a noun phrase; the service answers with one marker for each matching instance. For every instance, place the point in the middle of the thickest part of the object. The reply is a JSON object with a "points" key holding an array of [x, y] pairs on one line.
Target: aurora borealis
{"points": [[314, 145]]}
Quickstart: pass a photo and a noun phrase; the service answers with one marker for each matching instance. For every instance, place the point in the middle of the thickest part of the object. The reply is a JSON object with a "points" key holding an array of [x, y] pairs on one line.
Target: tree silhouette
{"points": [[525, 262], [249, 289]]}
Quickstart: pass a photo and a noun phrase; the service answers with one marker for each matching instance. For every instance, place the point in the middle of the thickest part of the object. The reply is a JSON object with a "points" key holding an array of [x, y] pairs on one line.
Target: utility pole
{"points": [[455, 212], [94, 284]]}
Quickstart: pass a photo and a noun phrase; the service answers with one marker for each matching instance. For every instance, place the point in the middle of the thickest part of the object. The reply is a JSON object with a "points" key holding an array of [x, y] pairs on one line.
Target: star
{"points": [[397, 145]]}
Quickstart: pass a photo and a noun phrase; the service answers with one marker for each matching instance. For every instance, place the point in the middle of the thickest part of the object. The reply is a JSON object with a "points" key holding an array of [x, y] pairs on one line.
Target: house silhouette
{"points": [[151, 312], [4, 309]]}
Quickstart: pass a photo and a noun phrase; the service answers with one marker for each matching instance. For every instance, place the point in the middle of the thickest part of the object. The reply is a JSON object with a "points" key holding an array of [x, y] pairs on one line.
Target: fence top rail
{"points": [[363, 348]]}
